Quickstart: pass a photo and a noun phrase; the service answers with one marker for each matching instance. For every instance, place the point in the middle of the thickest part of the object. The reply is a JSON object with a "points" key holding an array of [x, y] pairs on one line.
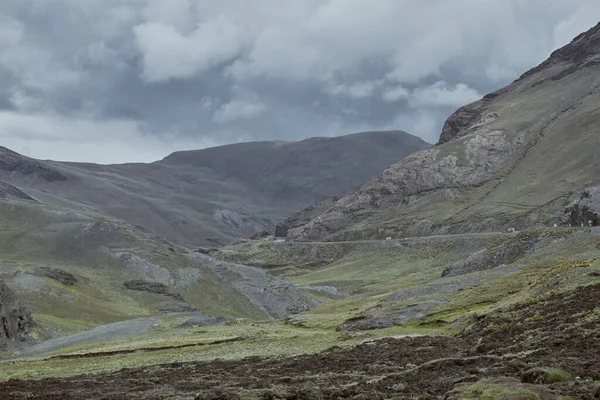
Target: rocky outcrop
{"points": [[152, 287], [58, 275], [15, 320], [304, 216], [423, 172], [465, 120], [583, 211], [505, 252], [276, 297]]}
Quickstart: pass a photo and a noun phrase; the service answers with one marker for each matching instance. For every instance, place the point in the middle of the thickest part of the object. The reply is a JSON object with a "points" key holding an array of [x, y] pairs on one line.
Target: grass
{"points": [[496, 390], [202, 344], [365, 272], [555, 375]]}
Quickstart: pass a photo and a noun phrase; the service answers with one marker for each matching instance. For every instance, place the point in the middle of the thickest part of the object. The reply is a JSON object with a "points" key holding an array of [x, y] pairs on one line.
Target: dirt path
{"points": [[108, 332]]}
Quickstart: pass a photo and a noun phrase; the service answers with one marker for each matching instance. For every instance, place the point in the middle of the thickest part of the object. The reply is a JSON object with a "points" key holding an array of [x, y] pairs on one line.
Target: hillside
{"points": [[74, 271], [522, 156], [210, 196]]}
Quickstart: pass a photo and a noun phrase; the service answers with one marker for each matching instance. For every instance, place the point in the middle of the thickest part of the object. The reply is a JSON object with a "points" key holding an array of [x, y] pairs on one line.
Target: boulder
{"points": [[15, 320]]}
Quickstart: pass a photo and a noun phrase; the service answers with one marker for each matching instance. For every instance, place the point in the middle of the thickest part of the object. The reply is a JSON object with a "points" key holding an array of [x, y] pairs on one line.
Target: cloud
{"points": [[395, 93], [355, 90], [238, 109], [163, 74], [169, 54], [442, 94], [83, 139]]}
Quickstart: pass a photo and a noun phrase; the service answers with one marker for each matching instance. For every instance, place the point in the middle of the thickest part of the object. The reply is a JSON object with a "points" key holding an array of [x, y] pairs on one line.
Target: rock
{"points": [[58, 275], [303, 217], [204, 250], [199, 320], [145, 268], [15, 320], [178, 308], [237, 221], [152, 287], [415, 312], [260, 235], [365, 322], [583, 211], [501, 254], [458, 124]]}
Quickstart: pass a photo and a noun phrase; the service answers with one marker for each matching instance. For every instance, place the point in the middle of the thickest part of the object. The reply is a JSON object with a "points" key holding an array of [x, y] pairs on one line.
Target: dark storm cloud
{"points": [[141, 78]]}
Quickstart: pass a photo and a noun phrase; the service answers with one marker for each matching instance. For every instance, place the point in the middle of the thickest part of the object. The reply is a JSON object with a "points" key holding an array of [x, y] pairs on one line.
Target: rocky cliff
{"points": [[15, 320], [513, 158]]}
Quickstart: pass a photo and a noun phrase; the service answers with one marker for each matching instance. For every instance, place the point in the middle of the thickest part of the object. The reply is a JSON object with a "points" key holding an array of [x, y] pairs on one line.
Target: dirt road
{"points": [[118, 330]]}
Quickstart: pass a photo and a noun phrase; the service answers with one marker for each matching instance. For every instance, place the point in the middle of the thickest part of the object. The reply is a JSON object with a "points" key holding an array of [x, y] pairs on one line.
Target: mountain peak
{"points": [[581, 52], [583, 49]]}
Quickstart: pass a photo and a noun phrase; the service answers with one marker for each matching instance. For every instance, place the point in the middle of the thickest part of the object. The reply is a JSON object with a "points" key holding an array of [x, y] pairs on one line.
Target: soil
{"points": [[558, 331]]}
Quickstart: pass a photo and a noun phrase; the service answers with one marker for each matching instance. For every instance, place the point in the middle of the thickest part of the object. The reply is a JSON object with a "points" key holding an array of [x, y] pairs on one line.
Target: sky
{"points": [[113, 81]]}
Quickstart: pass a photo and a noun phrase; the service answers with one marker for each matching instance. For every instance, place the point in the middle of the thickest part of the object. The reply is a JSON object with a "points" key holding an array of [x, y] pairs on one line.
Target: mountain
{"points": [[210, 196], [523, 156], [457, 316]]}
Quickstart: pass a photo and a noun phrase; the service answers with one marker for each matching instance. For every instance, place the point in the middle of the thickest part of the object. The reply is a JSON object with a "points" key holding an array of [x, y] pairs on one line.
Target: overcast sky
{"points": [[133, 80]]}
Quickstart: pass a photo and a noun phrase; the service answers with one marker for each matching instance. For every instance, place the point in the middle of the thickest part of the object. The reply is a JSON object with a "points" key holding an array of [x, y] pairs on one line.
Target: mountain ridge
{"points": [[212, 196]]}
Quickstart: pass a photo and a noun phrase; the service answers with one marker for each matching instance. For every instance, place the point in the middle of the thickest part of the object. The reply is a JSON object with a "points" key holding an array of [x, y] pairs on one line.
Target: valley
{"points": [[469, 269]]}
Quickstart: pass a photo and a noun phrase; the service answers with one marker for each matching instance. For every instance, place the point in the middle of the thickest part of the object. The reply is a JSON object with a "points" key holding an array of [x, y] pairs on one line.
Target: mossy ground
{"points": [[166, 344], [365, 274]]}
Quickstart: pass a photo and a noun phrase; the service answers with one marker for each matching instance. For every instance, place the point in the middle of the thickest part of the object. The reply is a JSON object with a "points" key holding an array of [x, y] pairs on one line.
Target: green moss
{"points": [[495, 390], [557, 375]]}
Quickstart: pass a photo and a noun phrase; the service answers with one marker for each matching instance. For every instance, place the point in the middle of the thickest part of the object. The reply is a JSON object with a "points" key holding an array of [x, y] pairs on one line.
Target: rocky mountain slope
{"points": [[521, 156], [74, 271], [210, 196]]}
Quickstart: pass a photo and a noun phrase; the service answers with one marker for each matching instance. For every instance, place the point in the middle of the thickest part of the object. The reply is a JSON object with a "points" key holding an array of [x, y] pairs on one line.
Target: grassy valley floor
{"points": [[520, 320], [542, 350]]}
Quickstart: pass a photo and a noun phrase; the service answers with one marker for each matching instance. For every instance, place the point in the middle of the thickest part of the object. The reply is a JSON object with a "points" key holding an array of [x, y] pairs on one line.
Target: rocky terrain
{"points": [[211, 196], [519, 157]]}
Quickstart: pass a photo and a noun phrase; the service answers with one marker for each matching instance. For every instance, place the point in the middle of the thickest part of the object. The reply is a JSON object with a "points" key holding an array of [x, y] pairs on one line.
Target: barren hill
{"points": [[215, 195]]}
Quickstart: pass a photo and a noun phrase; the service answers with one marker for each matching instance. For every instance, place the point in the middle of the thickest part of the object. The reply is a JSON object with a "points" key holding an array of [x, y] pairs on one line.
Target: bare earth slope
{"points": [[518, 157], [215, 195]]}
